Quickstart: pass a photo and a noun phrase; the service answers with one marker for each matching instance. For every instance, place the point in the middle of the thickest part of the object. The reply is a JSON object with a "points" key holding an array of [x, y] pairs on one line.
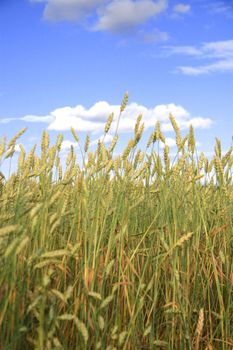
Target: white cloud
{"points": [[221, 53], [123, 15], [112, 15], [172, 143], [41, 119], [181, 8], [17, 148], [215, 49], [107, 138], [6, 120], [29, 118], [69, 10], [93, 119], [220, 7], [219, 49], [66, 144], [169, 142], [197, 122], [220, 67], [185, 50]]}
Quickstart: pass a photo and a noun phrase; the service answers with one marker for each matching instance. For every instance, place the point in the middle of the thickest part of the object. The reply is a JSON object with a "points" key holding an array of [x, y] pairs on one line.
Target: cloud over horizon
{"points": [[93, 119]]}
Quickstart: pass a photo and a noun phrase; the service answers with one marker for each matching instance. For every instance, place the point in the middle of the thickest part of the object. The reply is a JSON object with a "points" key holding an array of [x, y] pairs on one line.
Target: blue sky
{"points": [[69, 62]]}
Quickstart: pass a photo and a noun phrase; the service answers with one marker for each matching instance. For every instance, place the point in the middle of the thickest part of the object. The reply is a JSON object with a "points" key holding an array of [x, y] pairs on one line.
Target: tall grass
{"points": [[126, 252]]}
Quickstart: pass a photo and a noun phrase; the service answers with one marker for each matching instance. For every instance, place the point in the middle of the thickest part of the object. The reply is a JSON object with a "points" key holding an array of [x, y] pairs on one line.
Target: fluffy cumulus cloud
{"points": [[79, 117], [110, 15], [68, 10], [218, 54], [123, 15], [66, 144], [93, 119]]}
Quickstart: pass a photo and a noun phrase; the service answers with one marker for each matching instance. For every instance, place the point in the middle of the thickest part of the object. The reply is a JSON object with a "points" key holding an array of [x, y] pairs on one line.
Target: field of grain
{"points": [[133, 251]]}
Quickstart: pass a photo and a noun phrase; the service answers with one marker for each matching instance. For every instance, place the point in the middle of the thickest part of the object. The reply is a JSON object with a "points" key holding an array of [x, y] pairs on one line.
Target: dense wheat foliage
{"points": [[133, 251]]}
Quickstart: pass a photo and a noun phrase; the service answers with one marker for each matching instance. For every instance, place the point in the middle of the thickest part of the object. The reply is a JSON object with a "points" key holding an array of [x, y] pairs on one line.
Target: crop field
{"points": [[130, 251]]}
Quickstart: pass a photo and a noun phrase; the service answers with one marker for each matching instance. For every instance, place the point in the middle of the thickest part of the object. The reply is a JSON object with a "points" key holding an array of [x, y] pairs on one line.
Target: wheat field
{"points": [[129, 251]]}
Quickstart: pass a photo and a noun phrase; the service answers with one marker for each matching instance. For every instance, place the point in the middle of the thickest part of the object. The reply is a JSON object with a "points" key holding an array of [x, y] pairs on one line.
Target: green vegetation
{"points": [[133, 251]]}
